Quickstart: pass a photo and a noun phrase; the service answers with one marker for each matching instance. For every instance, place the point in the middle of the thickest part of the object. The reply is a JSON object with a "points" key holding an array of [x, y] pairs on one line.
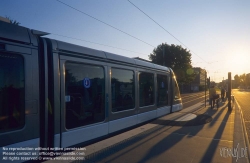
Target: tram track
{"points": [[192, 99], [192, 95]]}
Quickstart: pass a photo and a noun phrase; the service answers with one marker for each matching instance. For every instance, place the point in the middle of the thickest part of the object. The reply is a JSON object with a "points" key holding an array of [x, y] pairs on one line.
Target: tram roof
{"points": [[26, 36], [63, 46]]}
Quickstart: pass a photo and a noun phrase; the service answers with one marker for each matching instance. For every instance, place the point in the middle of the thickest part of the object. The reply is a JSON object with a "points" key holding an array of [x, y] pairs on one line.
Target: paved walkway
{"points": [[196, 134]]}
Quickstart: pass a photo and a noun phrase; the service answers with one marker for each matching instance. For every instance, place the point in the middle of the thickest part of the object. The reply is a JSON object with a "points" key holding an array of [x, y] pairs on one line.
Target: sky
{"points": [[216, 32]]}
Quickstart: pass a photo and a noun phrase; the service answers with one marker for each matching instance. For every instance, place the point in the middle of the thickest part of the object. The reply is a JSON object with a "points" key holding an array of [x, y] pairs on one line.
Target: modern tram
{"points": [[56, 94]]}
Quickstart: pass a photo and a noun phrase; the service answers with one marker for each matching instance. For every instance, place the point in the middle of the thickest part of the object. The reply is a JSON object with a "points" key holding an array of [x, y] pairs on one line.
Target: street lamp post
{"points": [[163, 50], [229, 91], [205, 86]]}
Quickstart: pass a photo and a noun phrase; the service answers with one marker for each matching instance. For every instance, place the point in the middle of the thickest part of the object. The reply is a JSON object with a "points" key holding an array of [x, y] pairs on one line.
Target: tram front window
{"points": [[177, 96]]}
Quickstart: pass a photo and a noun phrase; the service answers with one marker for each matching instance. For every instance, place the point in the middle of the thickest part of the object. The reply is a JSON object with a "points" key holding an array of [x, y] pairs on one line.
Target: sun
{"points": [[239, 62]]}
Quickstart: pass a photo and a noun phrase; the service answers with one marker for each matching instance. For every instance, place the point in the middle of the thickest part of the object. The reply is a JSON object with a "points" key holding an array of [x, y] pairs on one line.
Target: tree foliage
{"points": [[236, 80], [242, 80], [177, 58]]}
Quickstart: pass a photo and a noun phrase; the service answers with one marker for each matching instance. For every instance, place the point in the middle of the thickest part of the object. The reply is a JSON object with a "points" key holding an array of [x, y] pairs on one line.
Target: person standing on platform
{"points": [[212, 93], [222, 91], [226, 90]]}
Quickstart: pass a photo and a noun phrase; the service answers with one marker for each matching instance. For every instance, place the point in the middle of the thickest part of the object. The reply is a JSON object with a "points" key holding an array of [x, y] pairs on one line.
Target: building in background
{"points": [[199, 82], [224, 84], [4, 19], [197, 85]]}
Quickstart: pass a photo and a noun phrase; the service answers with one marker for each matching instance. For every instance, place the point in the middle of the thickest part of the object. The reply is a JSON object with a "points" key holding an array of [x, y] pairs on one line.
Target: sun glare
{"points": [[239, 63]]}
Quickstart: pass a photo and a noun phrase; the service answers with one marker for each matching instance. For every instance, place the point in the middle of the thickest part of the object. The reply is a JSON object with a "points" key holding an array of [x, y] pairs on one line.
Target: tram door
{"points": [[19, 89], [83, 100]]}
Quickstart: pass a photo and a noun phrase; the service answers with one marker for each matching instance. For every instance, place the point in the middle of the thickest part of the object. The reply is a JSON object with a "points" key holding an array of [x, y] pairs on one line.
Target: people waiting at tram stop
{"points": [[212, 93], [222, 90]]}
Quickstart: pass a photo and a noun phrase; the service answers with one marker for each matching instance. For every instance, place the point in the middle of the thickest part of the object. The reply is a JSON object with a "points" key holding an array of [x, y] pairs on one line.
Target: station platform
{"points": [[195, 134]]}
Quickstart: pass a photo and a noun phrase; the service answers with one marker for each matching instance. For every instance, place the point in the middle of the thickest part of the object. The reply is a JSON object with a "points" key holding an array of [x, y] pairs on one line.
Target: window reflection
{"points": [[162, 86], [84, 94], [122, 89], [12, 110], [177, 95], [146, 88]]}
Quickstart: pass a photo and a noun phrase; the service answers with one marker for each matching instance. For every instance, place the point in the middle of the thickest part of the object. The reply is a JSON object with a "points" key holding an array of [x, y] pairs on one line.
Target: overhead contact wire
{"points": [[105, 23], [164, 28], [96, 43]]}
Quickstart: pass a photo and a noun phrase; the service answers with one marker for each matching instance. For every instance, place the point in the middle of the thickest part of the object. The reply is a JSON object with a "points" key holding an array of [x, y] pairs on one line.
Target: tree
{"points": [[13, 21], [248, 80], [177, 58], [237, 80], [243, 81]]}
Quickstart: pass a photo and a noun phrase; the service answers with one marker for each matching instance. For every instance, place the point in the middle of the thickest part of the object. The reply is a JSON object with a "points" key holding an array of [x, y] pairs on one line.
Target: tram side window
{"points": [[146, 89], [162, 90], [84, 94], [12, 111], [122, 89]]}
